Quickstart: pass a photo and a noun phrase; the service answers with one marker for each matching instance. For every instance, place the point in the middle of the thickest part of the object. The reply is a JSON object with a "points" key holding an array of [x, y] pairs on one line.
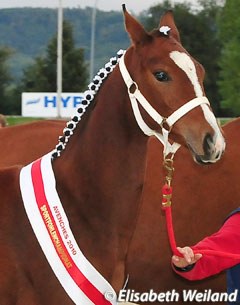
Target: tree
{"points": [[41, 76], [209, 49], [199, 35], [5, 78], [229, 83]]}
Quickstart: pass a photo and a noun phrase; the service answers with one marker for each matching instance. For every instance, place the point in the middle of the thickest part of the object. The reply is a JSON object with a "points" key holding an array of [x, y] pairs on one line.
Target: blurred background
{"points": [[93, 31]]}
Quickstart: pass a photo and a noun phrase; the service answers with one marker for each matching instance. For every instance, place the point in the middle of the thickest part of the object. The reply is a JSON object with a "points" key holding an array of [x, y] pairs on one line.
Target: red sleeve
{"points": [[227, 239]]}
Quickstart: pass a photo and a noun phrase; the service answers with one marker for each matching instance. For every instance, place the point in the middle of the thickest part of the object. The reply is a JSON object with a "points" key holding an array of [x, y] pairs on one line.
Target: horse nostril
{"points": [[208, 145]]}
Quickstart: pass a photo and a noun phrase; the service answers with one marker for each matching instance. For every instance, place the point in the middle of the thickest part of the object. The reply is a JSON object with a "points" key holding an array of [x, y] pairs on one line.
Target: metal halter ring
{"points": [[133, 88], [164, 124]]}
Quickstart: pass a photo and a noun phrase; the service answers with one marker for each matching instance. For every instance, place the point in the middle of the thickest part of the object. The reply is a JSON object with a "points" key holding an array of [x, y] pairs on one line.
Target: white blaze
{"points": [[184, 62]]}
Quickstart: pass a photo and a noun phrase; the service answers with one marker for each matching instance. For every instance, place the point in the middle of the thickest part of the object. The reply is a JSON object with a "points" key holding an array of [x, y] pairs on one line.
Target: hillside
{"points": [[28, 30]]}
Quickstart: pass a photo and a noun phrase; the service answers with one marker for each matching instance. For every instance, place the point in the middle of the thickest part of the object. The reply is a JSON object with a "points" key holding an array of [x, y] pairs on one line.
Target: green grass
{"points": [[16, 120], [225, 120]]}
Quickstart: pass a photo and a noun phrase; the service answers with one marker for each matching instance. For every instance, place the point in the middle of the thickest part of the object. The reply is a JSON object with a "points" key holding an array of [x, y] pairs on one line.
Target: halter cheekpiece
{"points": [[166, 124], [136, 97]]}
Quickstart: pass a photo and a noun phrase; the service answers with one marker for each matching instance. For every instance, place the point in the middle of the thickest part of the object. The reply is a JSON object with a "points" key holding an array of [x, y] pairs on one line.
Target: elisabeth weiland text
{"points": [[129, 295]]}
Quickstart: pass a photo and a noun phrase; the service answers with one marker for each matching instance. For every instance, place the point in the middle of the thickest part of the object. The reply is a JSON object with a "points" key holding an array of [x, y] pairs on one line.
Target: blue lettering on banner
{"points": [[65, 101], [50, 100], [74, 101], [31, 102], [77, 100]]}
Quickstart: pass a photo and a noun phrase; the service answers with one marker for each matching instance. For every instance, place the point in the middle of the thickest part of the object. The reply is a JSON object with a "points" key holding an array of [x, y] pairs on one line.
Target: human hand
{"points": [[188, 258]]}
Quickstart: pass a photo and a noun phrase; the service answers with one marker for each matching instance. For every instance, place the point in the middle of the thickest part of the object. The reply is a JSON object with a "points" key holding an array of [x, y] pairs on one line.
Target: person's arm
{"points": [[196, 267]]}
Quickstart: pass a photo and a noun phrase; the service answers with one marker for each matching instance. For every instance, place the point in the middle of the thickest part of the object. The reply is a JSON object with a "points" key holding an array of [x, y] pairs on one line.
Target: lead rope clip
{"points": [[167, 188]]}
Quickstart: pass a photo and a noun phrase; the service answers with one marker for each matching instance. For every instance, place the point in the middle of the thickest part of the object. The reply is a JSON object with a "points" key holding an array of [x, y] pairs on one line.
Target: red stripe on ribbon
{"points": [[79, 278]]}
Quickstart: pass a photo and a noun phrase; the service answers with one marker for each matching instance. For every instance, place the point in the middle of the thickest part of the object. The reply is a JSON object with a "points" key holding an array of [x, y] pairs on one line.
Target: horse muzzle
{"points": [[213, 149]]}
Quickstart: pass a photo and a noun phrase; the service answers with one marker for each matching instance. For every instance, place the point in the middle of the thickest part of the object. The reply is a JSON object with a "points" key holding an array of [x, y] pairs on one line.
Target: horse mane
{"points": [[89, 95]]}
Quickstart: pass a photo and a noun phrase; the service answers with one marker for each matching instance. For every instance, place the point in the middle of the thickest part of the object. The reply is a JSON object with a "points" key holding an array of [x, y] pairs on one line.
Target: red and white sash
{"points": [[81, 281]]}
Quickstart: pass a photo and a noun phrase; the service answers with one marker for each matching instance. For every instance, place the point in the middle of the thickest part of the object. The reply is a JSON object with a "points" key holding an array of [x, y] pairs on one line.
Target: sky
{"points": [[134, 6]]}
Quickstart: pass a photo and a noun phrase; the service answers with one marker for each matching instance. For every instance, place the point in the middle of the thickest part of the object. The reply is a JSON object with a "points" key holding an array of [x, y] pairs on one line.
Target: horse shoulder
{"points": [[9, 196], [20, 254], [10, 209]]}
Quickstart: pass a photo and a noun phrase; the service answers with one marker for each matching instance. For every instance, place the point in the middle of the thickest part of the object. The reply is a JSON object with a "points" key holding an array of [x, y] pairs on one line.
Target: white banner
{"points": [[44, 104]]}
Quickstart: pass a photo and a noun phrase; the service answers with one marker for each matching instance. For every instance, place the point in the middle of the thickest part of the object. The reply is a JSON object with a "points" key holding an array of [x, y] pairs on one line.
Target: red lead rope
{"points": [[166, 206]]}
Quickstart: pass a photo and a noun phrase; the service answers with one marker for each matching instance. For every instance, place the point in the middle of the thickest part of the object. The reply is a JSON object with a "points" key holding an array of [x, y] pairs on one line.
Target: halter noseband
{"points": [[166, 123]]}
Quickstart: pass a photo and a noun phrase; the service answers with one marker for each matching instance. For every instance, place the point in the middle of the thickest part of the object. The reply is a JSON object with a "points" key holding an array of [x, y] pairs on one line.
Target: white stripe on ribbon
{"points": [[96, 287]]}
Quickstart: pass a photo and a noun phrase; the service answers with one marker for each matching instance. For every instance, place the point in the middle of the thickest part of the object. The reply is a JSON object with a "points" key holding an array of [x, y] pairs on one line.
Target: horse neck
{"points": [[100, 176]]}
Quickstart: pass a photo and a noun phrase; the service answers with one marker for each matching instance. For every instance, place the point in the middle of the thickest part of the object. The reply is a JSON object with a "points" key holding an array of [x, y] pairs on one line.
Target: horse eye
{"points": [[162, 76]]}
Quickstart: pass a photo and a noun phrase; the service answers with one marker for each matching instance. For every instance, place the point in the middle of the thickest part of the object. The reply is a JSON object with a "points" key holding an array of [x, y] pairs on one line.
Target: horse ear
{"points": [[135, 30], [168, 20]]}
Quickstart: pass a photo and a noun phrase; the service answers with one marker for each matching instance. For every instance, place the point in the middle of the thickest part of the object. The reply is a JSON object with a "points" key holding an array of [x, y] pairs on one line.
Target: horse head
{"points": [[168, 84]]}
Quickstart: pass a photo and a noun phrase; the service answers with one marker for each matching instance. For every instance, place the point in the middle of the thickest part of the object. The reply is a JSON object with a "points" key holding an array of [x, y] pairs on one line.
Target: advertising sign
{"points": [[40, 104]]}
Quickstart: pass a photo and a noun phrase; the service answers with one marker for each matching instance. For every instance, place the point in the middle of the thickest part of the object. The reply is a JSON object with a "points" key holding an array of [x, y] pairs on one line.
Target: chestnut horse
{"points": [[199, 208], [203, 196], [99, 163], [27, 142]]}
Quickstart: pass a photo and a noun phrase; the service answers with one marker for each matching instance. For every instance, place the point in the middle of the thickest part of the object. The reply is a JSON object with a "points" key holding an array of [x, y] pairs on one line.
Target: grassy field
{"points": [[16, 120]]}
